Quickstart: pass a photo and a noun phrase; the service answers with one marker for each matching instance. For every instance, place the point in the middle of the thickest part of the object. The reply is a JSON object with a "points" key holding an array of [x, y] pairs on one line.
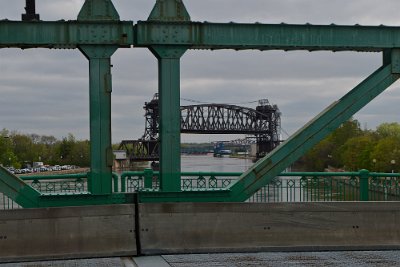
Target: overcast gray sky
{"points": [[46, 91]]}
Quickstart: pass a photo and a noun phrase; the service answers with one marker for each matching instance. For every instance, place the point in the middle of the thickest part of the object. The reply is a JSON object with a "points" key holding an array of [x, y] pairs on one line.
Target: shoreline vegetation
{"points": [[72, 171], [349, 148]]}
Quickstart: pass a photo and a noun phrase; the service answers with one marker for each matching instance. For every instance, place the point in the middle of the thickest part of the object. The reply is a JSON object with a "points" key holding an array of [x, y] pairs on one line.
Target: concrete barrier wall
{"points": [[72, 232], [107, 231], [219, 227]]}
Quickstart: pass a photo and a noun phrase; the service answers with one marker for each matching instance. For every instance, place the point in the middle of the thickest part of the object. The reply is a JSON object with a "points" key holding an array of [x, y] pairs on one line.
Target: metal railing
{"points": [[67, 183], [7, 204], [136, 181], [309, 187], [55, 184], [288, 187], [338, 186]]}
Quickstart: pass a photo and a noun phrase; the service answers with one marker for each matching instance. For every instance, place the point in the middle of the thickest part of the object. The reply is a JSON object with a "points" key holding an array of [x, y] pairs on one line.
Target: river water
{"points": [[283, 189], [208, 163], [189, 163]]}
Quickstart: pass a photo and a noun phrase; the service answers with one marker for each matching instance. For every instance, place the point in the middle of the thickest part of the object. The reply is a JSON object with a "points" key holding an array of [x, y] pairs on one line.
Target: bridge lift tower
{"points": [[168, 33], [262, 124]]}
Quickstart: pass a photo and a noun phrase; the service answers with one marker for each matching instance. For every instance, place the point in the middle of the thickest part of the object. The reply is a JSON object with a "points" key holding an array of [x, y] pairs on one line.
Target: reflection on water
{"points": [[204, 163], [208, 163]]}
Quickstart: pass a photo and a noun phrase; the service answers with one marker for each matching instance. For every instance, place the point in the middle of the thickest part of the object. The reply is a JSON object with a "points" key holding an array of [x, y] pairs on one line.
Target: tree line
{"points": [[20, 150], [350, 148]]}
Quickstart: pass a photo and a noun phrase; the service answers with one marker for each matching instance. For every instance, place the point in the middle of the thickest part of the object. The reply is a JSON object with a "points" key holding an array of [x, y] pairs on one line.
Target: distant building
{"points": [[121, 161], [119, 154], [253, 150]]}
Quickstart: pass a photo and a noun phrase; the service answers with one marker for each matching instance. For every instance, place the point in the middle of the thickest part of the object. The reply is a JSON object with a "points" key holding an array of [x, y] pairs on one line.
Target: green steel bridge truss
{"points": [[169, 33]]}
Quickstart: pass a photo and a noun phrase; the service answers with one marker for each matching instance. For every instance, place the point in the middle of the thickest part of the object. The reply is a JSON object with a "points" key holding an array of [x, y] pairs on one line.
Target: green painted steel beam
{"points": [[17, 190], [170, 118], [169, 97], [169, 10], [275, 162], [100, 88], [101, 10], [196, 35], [100, 177], [65, 34]]}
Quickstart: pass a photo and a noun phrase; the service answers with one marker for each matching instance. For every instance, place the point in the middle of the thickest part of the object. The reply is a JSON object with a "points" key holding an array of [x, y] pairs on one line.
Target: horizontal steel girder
{"points": [[65, 34], [198, 35]]}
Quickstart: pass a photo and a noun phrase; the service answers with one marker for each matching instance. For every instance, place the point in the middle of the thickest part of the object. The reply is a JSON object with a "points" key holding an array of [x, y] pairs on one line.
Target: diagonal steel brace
{"points": [[328, 120], [17, 190]]}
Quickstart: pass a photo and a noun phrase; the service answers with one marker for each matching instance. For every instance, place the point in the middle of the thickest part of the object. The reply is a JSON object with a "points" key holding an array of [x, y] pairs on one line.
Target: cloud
{"points": [[46, 91]]}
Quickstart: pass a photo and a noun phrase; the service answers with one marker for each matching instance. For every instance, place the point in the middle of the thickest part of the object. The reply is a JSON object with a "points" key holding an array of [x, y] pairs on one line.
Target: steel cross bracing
{"points": [[264, 123], [169, 33], [141, 149], [221, 118]]}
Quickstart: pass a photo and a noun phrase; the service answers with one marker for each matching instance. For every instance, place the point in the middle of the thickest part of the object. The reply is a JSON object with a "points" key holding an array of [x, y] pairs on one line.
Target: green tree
{"points": [[386, 151], [19, 150], [328, 153], [65, 149], [356, 152], [7, 155], [317, 158], [23, 148], [388, 130], [347, 130], [80, 154]]}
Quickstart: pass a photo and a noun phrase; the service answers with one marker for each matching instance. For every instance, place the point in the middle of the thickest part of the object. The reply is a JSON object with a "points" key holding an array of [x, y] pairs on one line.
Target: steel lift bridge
{"points": [[169, 33], [261, 125]]}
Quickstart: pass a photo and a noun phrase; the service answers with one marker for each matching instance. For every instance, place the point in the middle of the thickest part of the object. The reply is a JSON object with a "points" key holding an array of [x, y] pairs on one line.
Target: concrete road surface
{"points": [[263, 259]]}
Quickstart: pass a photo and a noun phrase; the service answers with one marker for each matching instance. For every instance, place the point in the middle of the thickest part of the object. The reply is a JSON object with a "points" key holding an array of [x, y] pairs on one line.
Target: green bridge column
{"points": [[169, 92], [100, 178], [170, 114], [364, 185]]}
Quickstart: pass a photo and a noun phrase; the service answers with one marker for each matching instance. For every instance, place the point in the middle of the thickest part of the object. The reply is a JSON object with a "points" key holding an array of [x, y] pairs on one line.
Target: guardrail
{"points": [[64, 183], [136, 181], [50, 184], [7, 204], [288, 187], [58, 183]]}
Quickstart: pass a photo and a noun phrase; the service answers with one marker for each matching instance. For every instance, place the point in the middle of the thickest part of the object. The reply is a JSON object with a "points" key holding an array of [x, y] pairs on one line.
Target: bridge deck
{"points": [[194, 228], [272, 259]]}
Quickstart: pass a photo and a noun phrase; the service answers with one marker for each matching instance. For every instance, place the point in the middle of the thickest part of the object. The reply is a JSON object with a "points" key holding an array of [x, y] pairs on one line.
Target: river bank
{"points": [[72, 171]]}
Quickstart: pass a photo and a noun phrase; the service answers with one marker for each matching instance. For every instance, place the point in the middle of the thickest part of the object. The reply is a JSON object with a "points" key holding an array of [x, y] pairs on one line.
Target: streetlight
{"points": [[374, 162], [393, 162]]}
